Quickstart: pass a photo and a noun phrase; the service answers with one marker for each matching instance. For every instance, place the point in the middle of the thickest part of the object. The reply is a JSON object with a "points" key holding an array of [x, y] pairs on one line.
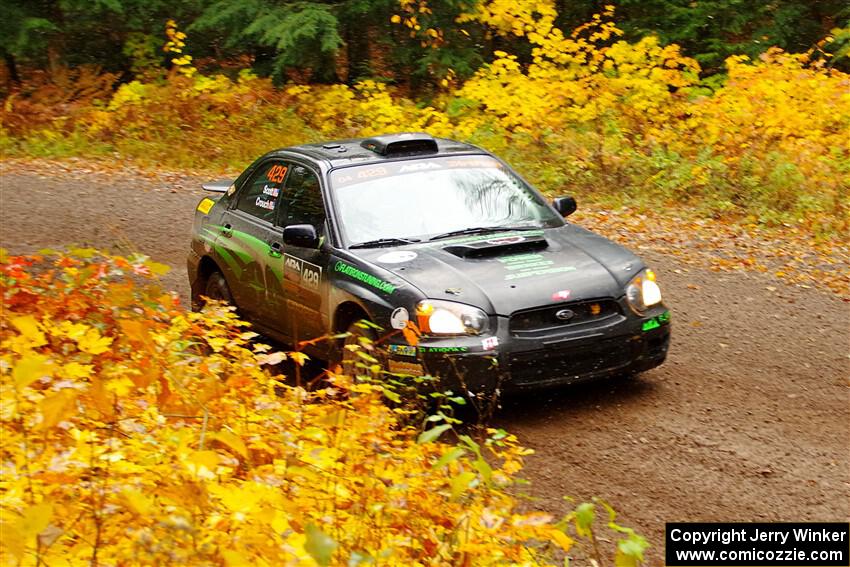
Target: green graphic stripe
{"points": [[368, 279]]}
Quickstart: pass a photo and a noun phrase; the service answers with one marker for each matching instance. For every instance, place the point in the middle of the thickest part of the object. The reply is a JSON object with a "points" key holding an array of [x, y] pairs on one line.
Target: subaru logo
{"points": [[564, 315]]}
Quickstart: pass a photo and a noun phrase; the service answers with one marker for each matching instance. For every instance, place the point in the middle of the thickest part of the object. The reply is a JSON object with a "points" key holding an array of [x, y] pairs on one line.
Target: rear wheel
{"points": [[217, 288]]}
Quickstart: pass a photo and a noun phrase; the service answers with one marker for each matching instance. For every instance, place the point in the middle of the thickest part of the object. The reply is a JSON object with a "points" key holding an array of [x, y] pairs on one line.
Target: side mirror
{"points": [[301, 235], [565, 205]]}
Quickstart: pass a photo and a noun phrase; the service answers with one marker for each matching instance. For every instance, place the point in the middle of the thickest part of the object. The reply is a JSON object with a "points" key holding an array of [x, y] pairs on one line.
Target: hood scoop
{"points": [[496, 246]]}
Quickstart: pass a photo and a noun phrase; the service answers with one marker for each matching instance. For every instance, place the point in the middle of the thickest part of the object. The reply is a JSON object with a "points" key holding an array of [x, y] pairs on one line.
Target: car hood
{"points": [[506, 271]]}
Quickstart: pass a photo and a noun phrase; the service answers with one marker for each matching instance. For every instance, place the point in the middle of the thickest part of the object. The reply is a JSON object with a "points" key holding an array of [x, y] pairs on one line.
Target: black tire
{"points": [[217, 288]]}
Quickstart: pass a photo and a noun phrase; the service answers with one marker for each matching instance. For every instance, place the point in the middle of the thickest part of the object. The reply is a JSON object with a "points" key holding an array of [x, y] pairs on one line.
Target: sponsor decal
{"points": [[368, 279], [490, 343], [276, 173], [265, 203], [421, 166], [480, 237], [443, 349], [523, 266], [656, 322], [206, 205], [562, 295], [506, 240], [301, 272], [407, 368], [399, 318], [396, 257], [402, 350]]}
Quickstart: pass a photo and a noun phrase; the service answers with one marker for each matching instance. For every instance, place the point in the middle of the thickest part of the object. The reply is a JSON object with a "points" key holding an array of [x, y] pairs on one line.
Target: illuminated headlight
{"points": [[643, 292], [437, 317]]}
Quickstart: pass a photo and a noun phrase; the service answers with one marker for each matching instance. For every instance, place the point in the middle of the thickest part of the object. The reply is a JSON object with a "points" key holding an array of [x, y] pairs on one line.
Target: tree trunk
{"points": [[12, 76]]}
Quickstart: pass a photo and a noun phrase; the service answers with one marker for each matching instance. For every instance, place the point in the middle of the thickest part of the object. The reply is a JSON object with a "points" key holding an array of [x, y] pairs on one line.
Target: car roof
{"points": [[338, 153]]}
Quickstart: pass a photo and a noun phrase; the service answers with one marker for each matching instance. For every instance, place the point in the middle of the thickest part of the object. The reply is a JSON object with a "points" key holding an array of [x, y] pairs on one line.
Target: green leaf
{"points": [[84, 253], [468, 441], [391, 395], [461, 482], [630, 551], [319, 545], [484, 468], [585, 514], [450, 456], [433, 433], [157, 268]]}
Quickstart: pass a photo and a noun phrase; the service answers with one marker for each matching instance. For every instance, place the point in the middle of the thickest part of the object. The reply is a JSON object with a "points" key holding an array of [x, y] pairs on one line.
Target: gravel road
{"points": [[749, 419]]}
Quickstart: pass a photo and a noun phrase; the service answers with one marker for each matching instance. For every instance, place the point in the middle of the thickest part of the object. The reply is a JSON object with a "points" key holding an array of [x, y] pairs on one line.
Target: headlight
{"points": [[438, 317], [642, 292]]}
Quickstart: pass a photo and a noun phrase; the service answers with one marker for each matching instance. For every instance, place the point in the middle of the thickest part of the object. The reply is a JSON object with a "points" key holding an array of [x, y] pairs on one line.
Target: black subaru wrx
{"points": [[410, 231]]}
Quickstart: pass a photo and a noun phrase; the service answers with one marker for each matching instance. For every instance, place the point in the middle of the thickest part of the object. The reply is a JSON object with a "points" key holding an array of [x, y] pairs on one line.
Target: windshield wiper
{"points": [[480, 230], [384, 242]]}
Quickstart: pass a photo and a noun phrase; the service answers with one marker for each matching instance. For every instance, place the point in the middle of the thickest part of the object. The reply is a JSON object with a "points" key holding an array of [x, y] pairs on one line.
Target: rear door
{"points": [[249, 240]]}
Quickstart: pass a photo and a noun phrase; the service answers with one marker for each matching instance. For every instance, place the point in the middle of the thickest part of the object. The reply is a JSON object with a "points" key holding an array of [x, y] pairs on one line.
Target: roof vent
{"points": [[411, 143]]}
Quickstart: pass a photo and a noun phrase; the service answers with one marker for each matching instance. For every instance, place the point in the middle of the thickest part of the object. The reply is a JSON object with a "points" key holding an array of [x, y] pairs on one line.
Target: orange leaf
{"points": [[58, 407]]}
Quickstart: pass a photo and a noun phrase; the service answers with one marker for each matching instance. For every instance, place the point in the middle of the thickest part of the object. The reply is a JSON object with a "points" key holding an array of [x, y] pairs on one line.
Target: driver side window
{"points": [[259, 196]]}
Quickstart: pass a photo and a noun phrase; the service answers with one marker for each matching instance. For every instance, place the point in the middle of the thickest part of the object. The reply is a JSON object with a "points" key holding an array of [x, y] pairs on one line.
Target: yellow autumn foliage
{"points": [[136, 433]]}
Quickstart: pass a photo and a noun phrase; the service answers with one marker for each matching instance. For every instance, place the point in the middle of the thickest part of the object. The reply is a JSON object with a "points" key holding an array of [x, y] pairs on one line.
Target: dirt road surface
{"points": [[749, 419]]}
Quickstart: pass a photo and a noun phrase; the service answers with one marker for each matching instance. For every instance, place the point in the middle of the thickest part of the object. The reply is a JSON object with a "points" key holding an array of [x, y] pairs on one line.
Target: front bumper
{"points": [[622, 345]]}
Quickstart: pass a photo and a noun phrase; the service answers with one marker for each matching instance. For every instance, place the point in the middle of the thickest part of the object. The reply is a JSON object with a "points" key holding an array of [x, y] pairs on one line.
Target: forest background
{"points": [[728, 109]]}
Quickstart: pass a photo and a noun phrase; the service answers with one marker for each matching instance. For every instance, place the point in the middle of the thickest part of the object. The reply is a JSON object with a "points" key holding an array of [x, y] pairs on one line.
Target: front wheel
{"points": [[361, 339]]}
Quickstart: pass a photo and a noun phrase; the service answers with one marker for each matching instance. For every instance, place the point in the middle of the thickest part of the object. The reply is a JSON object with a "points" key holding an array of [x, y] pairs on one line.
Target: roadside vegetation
{"points": [[137, 433]]}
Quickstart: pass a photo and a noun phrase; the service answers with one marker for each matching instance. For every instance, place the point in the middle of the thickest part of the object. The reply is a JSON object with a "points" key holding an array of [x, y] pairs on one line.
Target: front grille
{"points": [[566, 362], [545, 318]]}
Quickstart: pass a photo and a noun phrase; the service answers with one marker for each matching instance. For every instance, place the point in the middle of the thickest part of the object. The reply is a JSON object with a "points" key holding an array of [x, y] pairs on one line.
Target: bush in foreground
{"points": [[135, 432]]}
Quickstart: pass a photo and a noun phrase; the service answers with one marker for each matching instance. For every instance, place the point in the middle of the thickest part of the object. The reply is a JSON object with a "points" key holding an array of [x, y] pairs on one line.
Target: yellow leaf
{"points": [[203, 463], [30, 329], [299, 357], [29, 369], [232, 441], [137, 502], [58, 407], [34, 520], [93, 343], [120, 386], [76, 371], [561, 539]]}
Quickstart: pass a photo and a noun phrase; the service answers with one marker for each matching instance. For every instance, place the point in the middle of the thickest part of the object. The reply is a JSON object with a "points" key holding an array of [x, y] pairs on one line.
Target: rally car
{"points": [[471, 273]]}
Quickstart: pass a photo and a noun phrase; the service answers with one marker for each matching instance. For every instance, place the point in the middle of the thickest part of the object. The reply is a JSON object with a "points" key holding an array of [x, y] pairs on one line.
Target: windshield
{"points": [[421, 198]]}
